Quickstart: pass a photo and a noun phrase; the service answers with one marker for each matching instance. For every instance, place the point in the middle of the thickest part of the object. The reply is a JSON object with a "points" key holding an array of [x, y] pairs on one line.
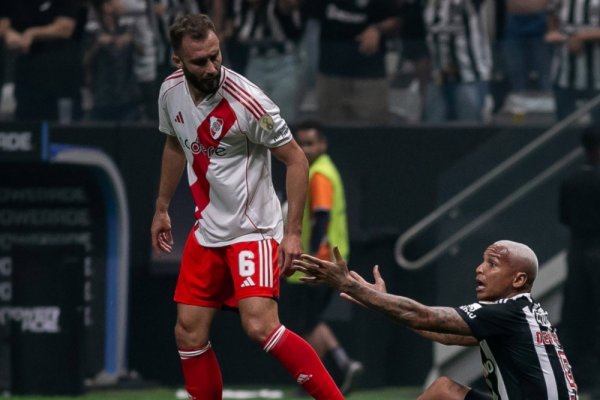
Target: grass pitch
{"points": [[403, 393]]}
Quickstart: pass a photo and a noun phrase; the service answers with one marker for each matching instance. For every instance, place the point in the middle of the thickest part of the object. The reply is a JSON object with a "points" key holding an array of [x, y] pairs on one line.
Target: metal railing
{"points": [[480, 183]]}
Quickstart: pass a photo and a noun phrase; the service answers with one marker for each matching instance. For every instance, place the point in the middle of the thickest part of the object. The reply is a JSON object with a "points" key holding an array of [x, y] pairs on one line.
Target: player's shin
{"points": [[303, 363], [201, 373]]}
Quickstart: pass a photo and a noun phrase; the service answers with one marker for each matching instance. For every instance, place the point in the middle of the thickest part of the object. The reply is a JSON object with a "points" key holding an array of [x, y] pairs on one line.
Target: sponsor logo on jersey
{"points": [[198, 148], [266, 122], [470, 309], [546, 338], [282, 132], [216, 127]]}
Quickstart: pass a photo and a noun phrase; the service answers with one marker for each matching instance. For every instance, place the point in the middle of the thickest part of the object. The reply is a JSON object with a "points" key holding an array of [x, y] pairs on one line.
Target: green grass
{"points": [[169, 394]]}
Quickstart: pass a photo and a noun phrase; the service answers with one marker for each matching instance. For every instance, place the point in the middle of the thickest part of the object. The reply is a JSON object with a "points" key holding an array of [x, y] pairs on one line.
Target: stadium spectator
{"points": [[270, 32], [414, 61], [461, 60], [144, 58], [524, 46], [165, 13], [225, 129], [46, 37], [578, 206], [108, 62], [520, 351], [352, 83], [324, 224], [574, 29]]}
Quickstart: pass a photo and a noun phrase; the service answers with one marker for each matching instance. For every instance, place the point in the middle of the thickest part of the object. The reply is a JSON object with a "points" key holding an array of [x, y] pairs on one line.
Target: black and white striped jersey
{"points": [[580, 71], [458, 40], [263, 23], [521, 355]]}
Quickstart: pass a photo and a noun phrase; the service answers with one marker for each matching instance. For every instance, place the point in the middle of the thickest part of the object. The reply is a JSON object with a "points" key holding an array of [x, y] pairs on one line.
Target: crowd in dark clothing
{"points": [[107, 58]]}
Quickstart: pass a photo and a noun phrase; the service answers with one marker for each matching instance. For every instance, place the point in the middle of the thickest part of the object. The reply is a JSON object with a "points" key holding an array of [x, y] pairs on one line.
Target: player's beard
{"points": [[206, 86]]}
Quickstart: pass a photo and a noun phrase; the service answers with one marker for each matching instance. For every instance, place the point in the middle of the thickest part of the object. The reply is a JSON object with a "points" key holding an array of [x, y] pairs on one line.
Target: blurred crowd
{"points": [[344, 61]]}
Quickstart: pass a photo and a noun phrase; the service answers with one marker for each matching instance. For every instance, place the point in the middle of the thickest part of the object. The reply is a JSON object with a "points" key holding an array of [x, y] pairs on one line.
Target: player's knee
{"points": [[437, 389], [189, 338], [444, 388], [258, 329]]}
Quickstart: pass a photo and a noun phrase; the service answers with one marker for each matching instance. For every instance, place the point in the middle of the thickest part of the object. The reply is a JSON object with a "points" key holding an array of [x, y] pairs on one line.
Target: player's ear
{"points": [[176, 60], [520, 280]]}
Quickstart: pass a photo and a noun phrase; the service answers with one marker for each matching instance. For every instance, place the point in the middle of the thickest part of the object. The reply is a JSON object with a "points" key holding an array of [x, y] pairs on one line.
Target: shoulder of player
{"points": [[511, 305], [172, 81], [238, 88], [232, 78]]}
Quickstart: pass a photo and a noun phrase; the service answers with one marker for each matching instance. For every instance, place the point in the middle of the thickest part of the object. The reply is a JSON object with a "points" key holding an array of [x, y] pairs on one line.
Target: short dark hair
{"points": [[197, 26], [308, 124], [591, 138]]}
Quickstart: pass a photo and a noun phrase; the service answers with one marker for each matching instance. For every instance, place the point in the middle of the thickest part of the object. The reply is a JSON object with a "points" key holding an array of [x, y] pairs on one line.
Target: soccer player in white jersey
{"points": [[521, 355], [224, 129]]}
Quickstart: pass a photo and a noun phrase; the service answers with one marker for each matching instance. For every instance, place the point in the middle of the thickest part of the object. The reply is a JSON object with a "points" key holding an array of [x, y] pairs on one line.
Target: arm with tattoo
{"points": [[407, 311], [448, 339], [411, 313]]}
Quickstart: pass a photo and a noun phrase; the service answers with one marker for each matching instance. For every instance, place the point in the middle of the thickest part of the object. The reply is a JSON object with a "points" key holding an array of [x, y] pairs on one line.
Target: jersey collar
{"points": [[216, 95], [515, 297]]}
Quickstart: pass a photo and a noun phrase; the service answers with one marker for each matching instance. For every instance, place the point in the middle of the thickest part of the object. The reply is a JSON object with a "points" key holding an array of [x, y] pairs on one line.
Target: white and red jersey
{"points": [[226, 139]]}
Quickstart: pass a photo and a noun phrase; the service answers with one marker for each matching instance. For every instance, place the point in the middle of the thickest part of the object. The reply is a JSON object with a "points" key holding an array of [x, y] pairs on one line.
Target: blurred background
{"points": [[452, 128]]}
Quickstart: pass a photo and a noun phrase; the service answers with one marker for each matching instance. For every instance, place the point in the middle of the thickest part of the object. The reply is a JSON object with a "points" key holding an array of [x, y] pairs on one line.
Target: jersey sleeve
{"points": [[321, 193], [164, 122], [488, 320], [268, 129]]}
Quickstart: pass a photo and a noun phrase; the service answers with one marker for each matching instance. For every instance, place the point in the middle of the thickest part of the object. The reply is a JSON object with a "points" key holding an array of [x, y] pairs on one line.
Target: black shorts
{"points": [[475, 394], [301, 306]]}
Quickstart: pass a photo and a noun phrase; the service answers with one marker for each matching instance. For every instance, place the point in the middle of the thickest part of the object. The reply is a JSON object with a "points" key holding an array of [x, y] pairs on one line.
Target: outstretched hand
{"points": [[334, 274], [378, 285]]}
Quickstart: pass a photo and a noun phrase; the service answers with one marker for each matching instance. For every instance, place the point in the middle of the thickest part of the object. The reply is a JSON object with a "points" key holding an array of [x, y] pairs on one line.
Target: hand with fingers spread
{"points": [[378, 285], [334, 274]]}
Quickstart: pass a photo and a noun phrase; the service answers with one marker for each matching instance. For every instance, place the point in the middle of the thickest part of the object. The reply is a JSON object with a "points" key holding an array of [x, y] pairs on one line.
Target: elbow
{"points": [[300, 163], [304, 163], [66, 32], [65, 28]]}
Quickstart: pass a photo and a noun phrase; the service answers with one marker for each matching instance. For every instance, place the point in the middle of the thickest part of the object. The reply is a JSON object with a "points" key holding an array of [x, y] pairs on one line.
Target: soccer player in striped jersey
{"points": [[521, 355], [224, 129]]}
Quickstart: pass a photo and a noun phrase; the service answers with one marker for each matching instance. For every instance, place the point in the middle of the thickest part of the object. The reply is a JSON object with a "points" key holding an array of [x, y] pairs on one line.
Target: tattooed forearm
{"points": [[448, 321], [448, 339], [410, 312], [399, 308]]}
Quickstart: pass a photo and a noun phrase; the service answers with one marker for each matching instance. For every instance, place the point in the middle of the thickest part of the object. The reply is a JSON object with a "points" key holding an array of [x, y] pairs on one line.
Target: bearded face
{"points": [[200, 61]]}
